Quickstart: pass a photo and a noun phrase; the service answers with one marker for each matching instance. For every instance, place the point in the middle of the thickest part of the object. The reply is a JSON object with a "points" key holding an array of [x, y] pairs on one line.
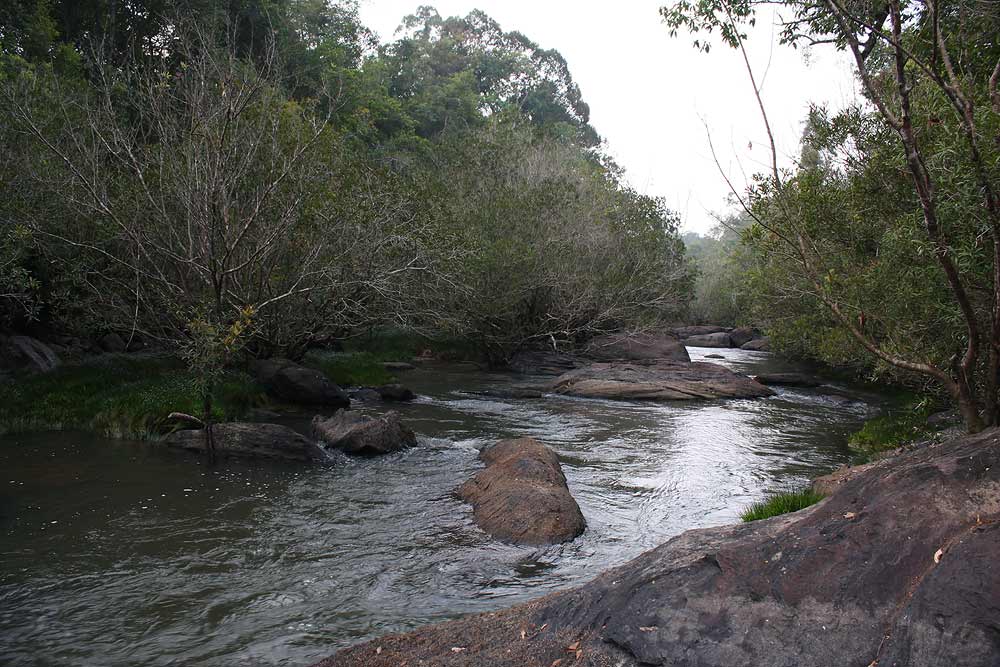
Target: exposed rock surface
{"points": [[698, 330], [363, 435], [298, 384], [19, 354], [637, 347], [521, 496], [720, 339], [897, 568], [660, 381], [395, 392], [787, 379], [758, 345], [740, 336], [272, 441], [544, 362]]}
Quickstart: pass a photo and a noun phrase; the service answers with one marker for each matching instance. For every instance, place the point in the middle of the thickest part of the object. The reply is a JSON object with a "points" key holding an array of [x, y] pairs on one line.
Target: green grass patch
{"points": [[350, 368], [894, 429], [781, 503], [118, 396]]}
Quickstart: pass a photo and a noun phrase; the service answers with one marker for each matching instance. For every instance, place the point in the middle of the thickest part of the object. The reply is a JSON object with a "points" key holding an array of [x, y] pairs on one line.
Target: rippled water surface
{"points": [[119, 553]]}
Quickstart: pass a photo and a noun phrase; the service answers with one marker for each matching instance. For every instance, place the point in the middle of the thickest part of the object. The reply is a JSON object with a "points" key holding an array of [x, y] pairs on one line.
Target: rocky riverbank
{"points": [[897, 567]]}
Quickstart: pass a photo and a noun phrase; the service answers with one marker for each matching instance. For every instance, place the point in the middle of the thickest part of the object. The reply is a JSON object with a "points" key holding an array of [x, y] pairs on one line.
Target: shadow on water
{"points": [[121, 553]]}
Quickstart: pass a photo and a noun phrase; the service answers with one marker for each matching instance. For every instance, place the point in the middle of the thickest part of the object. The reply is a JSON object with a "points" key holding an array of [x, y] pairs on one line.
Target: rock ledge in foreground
{"points": [[897, 567], [659, 381], [521, 496]]}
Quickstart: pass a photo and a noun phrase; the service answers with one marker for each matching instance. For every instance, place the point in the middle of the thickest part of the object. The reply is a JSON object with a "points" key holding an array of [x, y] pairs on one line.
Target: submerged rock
{"points": [[395, 392], [897, 567], [787, 379], [297, 384], [660, 381], [758, 345], [521, 496], [271, 441], [720, 339], [637, 347], [511, 392], [363, 435]]}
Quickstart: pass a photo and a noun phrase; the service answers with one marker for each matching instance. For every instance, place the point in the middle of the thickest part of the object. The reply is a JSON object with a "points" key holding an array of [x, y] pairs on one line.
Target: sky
{"points": [[654, 98]]}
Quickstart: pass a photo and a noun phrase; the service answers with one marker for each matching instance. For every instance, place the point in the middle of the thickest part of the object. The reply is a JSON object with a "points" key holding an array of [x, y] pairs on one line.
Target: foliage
{"points": [[721, 293], [352, 369], [781, 503], [121, 396], [898, 427]]}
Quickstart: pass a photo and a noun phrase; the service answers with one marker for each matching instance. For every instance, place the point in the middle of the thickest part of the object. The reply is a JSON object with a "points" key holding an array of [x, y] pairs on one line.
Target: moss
{"points": [[899, 426], [781, 503], [119, 396], [350, 368]]}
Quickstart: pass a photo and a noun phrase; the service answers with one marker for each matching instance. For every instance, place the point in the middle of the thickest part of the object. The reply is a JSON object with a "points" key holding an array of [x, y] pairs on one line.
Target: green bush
{"points": [[350, 368], [781, 503], [892, 430]]}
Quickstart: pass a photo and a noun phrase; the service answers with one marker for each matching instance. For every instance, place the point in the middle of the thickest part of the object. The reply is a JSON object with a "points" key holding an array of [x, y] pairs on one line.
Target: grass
{"points": [[118, 396], [781, 503], [350, 368], [900, 426]]}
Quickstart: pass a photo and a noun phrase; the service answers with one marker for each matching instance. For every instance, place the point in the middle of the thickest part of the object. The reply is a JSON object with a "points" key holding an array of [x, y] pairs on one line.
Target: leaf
{"points": [[457, 649], [649, 628], [937, 555], [574, 646], [378, 651]]}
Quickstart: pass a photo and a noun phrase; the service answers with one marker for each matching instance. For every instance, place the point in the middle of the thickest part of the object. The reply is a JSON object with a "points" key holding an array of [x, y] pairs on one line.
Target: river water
{"points": [[122, 553]]}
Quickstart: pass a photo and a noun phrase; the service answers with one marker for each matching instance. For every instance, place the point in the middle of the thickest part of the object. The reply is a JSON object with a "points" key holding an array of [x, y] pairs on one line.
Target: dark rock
{"points": [[112, 342], [743, 335], [298, 384], [720, 339], [521, 496], [355, 433], [787, 379], [758, 345], [271, 441], [897, 567], [511, 392], [944, 418], [395, 392], [23, 354], [262, 415], [662, 381], [543, 362], [366, 395], [636, 347], [699, 330], [395, 366], [714, 356]]}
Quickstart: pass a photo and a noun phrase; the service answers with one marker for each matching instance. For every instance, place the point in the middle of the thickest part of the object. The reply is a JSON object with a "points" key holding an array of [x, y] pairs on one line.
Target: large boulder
{"points": [[660, 381], [758, 345], [698, 330], [270, 441], [543, 362], [23, 354], [740, 336], [636, 347], [521, 496], [297, 384], [363, 435], [898, 567], [720, 339], [112, 343]]}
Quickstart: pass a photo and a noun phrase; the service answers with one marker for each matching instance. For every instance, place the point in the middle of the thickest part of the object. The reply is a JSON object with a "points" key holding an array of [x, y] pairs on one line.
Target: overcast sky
{"points": [[651, 96]]}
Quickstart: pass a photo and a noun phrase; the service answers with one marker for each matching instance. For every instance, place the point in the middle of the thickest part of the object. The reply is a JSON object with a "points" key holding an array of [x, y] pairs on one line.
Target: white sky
{"points": [[650, 95]]}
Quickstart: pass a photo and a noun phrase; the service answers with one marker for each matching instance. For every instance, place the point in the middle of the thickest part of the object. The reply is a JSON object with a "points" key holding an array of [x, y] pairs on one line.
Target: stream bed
{"points": [[123, 553]]}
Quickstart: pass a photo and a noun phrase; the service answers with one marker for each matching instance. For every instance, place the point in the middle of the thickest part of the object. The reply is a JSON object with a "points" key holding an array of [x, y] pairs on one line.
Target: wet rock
{"points": [[758, 345], [112, 342], [661, 381], [511, 392], [720, 339], [740, 336], [395, 392], [269, 441], [787, 379], [23, 354], [298, 384], [714, 356], [544, 362], [897, 567], [366, 395], [363, 435], [698, 330], [395, 366], [521, 496], [636, 347]]}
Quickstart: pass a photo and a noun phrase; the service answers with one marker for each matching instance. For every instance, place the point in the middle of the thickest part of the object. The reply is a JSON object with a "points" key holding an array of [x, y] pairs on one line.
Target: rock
{"points": [[740, 336], [758, 345], [720, 339], [787, 379], [636, 347], [714, 356], [897, 567], [698, 330], [395, 366], [543, 362], [363, 435], [511, 392], [298, 384], [662, 381], [944, 418], [112, 342], [23, 354], [366, 395], [262, 415], [395, 392], [521, 496], [271, 441]]}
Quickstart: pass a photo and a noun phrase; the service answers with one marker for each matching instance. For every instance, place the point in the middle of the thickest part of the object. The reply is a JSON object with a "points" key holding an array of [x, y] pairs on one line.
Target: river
{"points": [[123, 553]]}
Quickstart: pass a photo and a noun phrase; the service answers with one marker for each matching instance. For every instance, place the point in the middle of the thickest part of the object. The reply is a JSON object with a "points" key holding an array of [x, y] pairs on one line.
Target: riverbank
{"points": [[895, 567]]}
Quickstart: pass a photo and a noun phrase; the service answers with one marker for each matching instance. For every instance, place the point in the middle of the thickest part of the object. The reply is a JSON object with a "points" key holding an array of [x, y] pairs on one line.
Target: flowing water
{"points": [[121, 553]]}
